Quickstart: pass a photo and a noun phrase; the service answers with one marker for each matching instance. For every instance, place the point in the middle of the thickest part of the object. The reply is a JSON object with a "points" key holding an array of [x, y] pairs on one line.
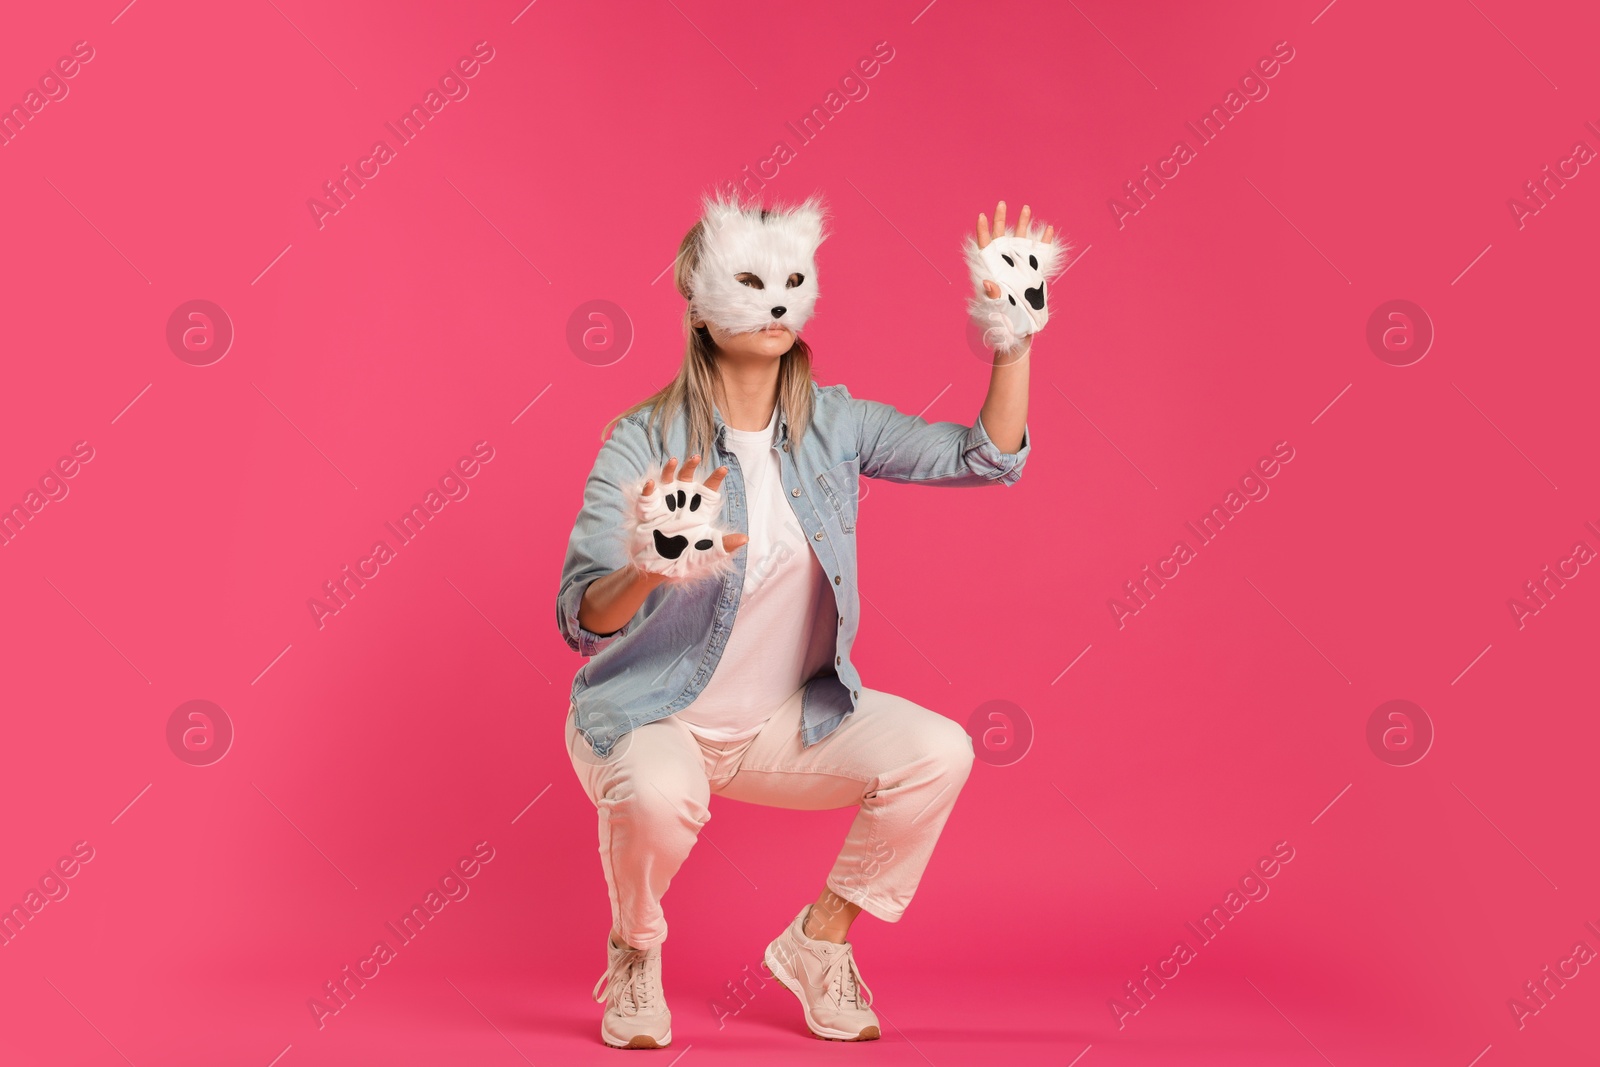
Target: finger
{"points": [[671, 468], [1023, 219], [992, 289], [733, 542], [714, 482], [687, 473], [983, 231], [1049, 234], [649, 487], [1000, 219]]}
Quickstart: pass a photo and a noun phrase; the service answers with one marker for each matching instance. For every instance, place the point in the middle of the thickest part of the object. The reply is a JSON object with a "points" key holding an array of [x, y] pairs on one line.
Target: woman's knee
{"points": [[952, 747]]}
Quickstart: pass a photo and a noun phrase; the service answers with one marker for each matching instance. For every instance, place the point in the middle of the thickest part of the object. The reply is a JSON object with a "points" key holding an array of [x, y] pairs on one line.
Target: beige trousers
{"points": [[900, 764]]}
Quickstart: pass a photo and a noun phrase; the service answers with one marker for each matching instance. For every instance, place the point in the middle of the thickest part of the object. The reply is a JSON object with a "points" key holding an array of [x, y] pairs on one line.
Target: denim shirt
{"points": [[660, 661]]}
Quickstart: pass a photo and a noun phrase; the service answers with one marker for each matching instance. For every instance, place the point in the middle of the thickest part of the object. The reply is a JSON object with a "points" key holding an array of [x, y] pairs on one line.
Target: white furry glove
{"points": [[1020, 266], [677, 530]]}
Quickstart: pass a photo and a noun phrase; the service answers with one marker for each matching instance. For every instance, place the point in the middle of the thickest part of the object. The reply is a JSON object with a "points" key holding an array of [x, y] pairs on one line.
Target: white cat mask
{"points": [[773, 251]]}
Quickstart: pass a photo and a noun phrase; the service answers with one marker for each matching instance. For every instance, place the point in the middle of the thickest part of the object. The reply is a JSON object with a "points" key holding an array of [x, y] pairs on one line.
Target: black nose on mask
{"points": [[777, 312]]}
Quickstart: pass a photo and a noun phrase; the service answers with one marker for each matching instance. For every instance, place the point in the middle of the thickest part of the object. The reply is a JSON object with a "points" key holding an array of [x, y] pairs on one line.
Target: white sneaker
{"points": [[636, 1009], [824, 977]]}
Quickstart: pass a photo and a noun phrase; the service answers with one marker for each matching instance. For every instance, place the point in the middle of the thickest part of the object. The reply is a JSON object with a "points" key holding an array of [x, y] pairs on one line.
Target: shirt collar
{"points": [[720, 429]]}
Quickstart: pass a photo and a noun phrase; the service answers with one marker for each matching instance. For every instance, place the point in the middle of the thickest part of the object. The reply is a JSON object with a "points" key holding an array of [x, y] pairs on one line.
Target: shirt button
{"points": [[836, 579], [841, 622], [786, 446], [818, 535], [857, 694], [795, 491], [837, 660]]}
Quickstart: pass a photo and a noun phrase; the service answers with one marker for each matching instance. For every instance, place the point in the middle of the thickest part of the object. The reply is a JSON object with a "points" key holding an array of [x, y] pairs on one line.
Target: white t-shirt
{"points": [[784, 631]]}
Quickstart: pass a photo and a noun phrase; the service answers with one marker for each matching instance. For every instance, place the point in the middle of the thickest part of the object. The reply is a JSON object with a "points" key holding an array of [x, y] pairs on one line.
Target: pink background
{"points": [[1227, 315]]}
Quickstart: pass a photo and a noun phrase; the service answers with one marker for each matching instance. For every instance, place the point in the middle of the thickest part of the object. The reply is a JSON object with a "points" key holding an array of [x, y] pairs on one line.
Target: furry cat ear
{"points": [[718, 208], [810, 219]]}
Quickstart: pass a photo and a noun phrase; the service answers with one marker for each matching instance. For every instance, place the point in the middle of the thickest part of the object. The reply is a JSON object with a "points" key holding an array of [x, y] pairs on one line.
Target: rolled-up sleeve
{"points": [[908, 448], [598, 545]]}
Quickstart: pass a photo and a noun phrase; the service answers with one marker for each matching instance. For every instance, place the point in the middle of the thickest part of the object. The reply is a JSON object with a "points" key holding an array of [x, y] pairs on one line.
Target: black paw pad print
{"points": [[676, 501], [672, 547]]}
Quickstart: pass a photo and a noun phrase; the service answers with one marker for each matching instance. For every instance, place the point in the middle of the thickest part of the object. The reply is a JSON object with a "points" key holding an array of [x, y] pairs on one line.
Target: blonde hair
{"points": [[693, 391]]}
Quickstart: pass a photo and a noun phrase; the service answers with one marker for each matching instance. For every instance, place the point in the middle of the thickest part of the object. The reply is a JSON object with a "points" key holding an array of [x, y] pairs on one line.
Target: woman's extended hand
{"points": [[984, 236], [608, 603], [713, 483]]}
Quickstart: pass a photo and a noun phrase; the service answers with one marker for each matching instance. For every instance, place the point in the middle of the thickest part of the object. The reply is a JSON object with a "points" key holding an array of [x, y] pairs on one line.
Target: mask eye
{"points": [[749, 279], [794, 280]]}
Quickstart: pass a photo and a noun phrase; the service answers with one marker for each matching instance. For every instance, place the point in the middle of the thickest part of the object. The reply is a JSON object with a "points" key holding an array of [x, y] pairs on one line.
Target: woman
{"points": [[720, 671]]}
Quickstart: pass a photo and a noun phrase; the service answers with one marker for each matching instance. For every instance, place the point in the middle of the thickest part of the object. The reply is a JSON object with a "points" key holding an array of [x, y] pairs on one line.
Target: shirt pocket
{"points": [[841, 484]]}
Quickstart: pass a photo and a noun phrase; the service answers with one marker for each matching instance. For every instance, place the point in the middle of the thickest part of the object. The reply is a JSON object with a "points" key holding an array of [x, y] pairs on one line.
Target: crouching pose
{"points": [[711, 580]]}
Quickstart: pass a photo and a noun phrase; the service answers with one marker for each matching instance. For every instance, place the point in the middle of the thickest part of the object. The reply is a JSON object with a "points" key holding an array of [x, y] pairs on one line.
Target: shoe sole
{"points": [[788, 982], [641, 1041]]}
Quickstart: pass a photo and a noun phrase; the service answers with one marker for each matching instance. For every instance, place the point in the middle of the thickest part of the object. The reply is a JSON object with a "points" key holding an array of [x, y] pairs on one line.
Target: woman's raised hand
{"points": [[1023, 221], [1011, 272]]}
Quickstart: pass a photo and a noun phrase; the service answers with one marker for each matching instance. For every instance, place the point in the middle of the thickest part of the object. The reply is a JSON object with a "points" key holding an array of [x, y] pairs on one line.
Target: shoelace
{"points": [[842, 979], [626, 983]]}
